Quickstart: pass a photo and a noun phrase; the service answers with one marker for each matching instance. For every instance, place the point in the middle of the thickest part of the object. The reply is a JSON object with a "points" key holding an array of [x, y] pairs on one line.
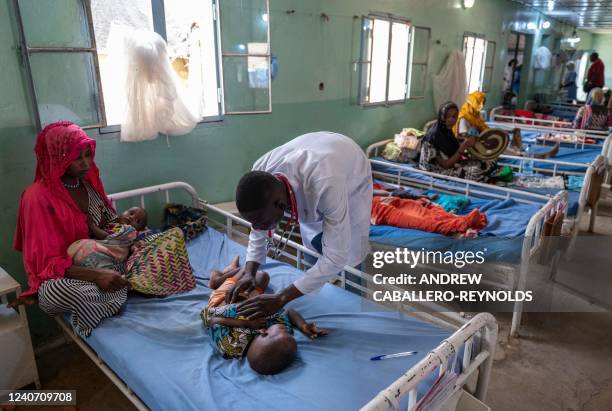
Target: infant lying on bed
{"points": [[111, 243], [268, 342]]}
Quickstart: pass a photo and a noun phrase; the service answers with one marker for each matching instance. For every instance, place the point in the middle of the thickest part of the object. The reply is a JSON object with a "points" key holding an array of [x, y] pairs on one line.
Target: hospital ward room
{"points": [[305, 205]]}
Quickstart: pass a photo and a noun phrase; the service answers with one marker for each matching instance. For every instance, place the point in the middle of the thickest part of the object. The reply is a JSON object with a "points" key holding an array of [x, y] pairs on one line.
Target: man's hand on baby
{"points": [[260, 306], [311, 330], [245, 285]]}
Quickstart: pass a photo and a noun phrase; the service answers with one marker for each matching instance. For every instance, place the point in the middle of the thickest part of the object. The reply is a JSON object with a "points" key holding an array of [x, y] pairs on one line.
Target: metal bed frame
{"points": [[533, 239], [477, 336], [542, 124]]}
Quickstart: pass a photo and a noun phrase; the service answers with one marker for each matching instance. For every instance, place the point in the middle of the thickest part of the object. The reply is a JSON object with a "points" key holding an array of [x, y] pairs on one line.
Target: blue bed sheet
{"points": [[572, 198], [160, 348]]}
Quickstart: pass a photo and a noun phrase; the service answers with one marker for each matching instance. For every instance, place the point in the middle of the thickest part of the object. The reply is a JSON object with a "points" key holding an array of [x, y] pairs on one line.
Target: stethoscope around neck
{"points": [[276, 247]]}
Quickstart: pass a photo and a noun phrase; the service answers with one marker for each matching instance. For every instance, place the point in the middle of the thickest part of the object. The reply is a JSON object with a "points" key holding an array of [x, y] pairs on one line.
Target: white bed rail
{"points": [[556, 165], [438, 361], [373, 149], [455, 185], [556, 126], [165, 188]]}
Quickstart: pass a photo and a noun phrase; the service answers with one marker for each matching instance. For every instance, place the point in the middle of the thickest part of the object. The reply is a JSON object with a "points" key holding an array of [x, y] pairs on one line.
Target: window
{"points": [[246, 57], [487, 75], [385, 60], [60, 61], [417, 85], [71, 76], [189, 29], [394, 60], [475, 52]]}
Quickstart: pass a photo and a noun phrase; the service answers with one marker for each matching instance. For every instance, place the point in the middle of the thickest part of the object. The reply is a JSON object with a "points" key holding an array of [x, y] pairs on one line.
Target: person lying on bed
{"points": [[267, 342], [422, 214], [443, 153]]}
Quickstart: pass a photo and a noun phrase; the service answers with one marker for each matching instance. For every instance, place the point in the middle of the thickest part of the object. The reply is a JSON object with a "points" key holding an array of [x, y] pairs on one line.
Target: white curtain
{"points": [[451, 83], [152, 100]]}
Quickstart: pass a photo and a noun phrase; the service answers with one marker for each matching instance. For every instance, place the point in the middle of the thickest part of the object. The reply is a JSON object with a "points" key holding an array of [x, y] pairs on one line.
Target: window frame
{"points": [[365, 58], [247, 55], [159, 26], [486, 88], [466, 36], [26, 51], [420, 63]]}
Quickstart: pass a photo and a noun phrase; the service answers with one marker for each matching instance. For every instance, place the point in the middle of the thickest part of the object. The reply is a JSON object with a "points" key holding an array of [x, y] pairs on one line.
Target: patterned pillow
{"points": [[160, 265]]}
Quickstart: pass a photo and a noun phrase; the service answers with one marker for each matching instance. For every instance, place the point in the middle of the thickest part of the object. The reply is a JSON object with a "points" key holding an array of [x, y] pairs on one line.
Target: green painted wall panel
{"points": [[310, 49]]}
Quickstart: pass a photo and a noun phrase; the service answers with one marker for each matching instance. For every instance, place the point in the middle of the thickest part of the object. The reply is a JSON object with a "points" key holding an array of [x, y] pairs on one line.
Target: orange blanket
{"points": [[423, 215]]}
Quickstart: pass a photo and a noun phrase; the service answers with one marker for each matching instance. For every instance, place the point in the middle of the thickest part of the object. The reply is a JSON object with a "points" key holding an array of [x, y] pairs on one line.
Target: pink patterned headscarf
{"points": [[57, 146]]}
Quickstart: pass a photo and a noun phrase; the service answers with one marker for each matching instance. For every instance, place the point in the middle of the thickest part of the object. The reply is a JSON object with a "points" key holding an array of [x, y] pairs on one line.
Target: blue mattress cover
{"points": [[572, 198], [160, 347]]}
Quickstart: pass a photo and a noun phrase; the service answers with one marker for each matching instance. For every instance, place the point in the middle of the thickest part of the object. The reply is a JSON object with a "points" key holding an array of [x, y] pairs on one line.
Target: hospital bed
{"points": [[497, 116], [574, 205], [577, 152], [578, 202], [157, 352], [572, 159]]}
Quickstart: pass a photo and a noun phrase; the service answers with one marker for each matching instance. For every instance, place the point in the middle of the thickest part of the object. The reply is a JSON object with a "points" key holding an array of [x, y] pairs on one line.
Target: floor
{"points": [[562, 361]]}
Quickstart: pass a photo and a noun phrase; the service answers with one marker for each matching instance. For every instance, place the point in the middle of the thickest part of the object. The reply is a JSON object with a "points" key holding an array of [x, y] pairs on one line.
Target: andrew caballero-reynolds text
{"points": [[389, 292]]}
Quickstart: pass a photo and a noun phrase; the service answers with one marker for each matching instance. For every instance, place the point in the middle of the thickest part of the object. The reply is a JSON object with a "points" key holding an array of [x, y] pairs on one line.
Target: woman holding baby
{"points": [[65, 202]]}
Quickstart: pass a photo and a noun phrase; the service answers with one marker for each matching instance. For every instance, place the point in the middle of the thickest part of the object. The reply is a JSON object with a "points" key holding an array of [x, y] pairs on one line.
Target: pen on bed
{"points": [[397, 355]]}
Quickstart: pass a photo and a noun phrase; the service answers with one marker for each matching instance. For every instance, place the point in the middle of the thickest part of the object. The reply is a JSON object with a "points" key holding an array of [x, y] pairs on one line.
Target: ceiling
{"points": [[595, 15]]}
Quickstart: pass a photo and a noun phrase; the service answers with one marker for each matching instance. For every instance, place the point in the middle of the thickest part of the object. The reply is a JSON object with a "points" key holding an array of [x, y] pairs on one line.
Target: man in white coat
{"points": [[324, 181]]}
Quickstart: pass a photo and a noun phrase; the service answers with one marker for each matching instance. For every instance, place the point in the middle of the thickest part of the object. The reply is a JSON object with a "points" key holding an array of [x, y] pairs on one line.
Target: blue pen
{"points": [[397, 355]]}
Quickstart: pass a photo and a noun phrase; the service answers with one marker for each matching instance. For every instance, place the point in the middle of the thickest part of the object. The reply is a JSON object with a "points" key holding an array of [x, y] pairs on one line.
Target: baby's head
{"points": [[272, 351], [136, 217]]}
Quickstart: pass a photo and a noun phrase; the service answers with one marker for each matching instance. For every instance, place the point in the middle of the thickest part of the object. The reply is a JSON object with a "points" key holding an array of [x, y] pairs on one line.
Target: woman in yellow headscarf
{"points": [[469, 115]]}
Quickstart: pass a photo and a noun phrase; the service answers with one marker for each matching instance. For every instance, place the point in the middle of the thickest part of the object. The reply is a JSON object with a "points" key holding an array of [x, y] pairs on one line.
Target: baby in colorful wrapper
{"points": [[268, 343], [136, 217], [111, 243]]}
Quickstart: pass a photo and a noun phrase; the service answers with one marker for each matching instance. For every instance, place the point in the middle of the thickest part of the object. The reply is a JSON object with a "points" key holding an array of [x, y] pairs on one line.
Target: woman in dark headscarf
{"points": [[66, 199], [441, 151]]}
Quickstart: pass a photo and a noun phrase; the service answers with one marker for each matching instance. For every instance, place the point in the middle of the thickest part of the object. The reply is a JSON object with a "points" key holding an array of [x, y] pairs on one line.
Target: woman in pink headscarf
{"points": [[66, 198]]}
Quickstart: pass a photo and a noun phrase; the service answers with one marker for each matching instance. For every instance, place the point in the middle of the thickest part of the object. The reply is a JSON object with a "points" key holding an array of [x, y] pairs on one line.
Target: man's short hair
{"points": [[595, 55], [253, 191]]}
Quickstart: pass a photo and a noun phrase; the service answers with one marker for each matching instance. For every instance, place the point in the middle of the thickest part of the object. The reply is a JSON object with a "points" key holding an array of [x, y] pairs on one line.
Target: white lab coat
{"points": [[332, 181]]}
